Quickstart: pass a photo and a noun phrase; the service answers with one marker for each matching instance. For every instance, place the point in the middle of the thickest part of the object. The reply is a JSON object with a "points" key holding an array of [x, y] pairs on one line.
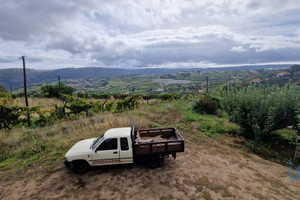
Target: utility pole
{"points": [[207, 84], [292, 77], [229, 81], [25, 90], [10, 89], [58, 78]]}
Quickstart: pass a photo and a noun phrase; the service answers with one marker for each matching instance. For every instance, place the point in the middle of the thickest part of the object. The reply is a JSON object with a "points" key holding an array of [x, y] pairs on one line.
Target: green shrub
{"points": [[80, 105], [56, 90], [205, 104], [166, 97], [10, 116], [261, 110], [109, 105], [44, 119], [258, 146], [58, 112]]}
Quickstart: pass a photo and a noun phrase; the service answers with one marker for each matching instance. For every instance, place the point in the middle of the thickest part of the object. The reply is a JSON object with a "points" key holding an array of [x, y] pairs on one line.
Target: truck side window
{"points": [[108, 144], [124, 144]]}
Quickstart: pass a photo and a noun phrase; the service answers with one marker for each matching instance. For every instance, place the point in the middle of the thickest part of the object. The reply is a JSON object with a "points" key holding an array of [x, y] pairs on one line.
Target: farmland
{"points": [[225, 167], [236, 155], [189, 81]]}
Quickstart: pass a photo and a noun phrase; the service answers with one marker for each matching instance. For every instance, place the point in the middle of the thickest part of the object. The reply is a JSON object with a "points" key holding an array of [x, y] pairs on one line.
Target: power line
{"points": [[13, 57], [43, 58]]}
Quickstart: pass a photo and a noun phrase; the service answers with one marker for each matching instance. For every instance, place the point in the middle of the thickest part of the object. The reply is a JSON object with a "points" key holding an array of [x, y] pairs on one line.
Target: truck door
{"points": [[107, 153], [125, 151]]}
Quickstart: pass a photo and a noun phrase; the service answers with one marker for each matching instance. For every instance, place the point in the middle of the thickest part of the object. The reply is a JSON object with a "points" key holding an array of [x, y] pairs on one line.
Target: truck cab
{"points": [[113, 147]]}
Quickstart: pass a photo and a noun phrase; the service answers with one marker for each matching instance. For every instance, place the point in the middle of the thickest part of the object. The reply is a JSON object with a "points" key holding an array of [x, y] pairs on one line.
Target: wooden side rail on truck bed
{"points": [[146, 141]]}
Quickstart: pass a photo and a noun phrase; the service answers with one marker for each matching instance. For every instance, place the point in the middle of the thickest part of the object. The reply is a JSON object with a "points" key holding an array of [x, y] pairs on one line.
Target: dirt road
{"points": [[204, 171]]}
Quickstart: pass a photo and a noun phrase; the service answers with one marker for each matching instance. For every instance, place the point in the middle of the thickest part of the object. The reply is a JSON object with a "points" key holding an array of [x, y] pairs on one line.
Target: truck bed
{"points": [[157, 141]]}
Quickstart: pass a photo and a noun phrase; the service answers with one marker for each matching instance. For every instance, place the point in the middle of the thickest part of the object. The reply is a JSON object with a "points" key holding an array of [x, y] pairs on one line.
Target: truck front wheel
{"points": [[80, 166], [153, 162]]}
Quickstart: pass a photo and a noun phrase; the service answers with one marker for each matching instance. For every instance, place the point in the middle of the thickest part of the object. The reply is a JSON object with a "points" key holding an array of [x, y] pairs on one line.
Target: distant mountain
{"points": [[247, 67], [15, 76]]}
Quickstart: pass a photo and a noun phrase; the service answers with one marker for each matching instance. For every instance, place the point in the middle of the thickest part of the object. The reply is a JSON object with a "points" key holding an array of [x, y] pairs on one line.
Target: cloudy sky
{"points": [[143, 33]]}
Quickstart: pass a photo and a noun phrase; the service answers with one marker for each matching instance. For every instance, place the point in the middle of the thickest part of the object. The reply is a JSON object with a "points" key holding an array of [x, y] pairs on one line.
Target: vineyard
{"points": [[263, 113]]}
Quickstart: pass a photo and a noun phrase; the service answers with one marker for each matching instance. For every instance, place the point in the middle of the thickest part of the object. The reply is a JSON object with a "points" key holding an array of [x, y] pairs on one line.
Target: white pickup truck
{"points": [[124, 146]]}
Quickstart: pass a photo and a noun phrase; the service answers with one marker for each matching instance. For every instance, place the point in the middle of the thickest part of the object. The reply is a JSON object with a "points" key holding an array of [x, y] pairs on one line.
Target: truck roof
{"points": [[118, 132]]}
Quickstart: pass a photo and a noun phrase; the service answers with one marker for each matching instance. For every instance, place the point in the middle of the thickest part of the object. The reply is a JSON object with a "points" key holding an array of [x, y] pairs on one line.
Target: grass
{"points": [[210, 125], [24, 148], [45, 103], [27, 147]]}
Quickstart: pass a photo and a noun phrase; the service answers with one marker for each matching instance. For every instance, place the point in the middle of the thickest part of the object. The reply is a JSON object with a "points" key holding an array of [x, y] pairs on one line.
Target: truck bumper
{"points": [[67, 163]]}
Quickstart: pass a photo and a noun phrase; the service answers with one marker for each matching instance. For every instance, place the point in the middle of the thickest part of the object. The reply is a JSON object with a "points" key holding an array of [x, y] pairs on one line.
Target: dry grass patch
{"points": [[45, 146]]}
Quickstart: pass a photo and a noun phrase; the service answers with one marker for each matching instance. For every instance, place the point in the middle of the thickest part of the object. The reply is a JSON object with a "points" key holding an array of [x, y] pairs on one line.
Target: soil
{"points": [[203, 171]]}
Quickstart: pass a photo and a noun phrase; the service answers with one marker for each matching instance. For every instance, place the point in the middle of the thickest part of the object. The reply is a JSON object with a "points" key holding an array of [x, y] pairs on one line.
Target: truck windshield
{"points": [[96, 141]]}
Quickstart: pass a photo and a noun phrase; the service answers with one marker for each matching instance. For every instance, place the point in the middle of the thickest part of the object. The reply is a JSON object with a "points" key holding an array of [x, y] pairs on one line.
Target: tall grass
{"points": [[22, 148]]}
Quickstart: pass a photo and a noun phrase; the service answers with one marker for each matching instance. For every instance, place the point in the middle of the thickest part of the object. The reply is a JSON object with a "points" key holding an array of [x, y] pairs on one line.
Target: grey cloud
{"points": [[22, 20], [152, 33]]}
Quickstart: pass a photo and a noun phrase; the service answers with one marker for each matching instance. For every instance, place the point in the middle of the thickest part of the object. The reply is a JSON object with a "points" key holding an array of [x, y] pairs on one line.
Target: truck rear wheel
{"points": [[80, 166], [153, 162]]}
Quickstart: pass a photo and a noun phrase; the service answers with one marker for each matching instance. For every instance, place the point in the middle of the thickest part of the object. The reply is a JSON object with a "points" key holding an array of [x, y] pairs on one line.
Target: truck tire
{"points": [[153, 162], [80, 166]]}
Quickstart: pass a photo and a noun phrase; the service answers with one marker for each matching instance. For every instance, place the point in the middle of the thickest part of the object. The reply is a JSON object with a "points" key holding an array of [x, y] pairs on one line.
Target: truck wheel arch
{"points": [[153, 161], [80, 166]]}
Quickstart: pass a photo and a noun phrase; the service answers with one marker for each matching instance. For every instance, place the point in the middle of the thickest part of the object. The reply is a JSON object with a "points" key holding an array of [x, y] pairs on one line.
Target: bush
{"points": [[169, 96], [9, 116], [58, 112], [205, 104], [259, 111], [43, 119], [79, 106], [3, 92], [56, 90], [108, 106]]}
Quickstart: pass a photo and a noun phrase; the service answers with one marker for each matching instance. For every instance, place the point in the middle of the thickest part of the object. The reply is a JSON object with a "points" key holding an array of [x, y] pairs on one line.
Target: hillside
{"points": [[15, 76], [219, 168]]}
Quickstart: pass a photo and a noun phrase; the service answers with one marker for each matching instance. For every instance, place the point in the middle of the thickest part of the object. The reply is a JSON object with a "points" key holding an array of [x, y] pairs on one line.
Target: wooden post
{"points": [[25, 91], [229, 81], [58, 78], [207, 84], [10, 89]]}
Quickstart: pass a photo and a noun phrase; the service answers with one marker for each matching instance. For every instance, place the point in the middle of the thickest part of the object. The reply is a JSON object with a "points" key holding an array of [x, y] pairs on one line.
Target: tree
{"points": [[262, 110], [148, 97], [3, 91], [80, 105], [9, 116], [205, 104], [295, 68], [56, 90]]}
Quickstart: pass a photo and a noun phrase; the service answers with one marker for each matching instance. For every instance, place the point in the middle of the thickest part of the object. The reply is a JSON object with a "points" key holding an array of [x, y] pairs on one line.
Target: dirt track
{"points": [[204, 171]]}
